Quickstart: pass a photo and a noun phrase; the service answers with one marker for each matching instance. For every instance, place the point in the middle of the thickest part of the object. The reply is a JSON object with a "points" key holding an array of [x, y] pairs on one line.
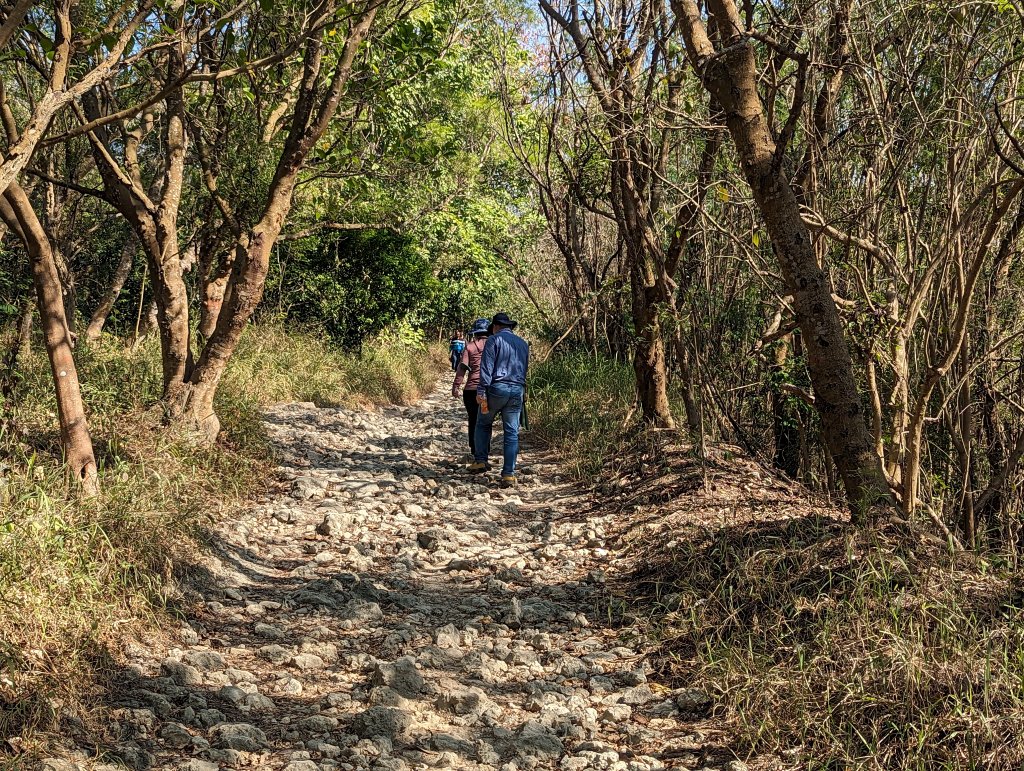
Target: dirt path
{"points": [[388, 611]]}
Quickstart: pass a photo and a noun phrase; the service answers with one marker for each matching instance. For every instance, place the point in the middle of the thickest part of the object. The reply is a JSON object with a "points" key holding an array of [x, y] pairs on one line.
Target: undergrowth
{"points": [[842, 647], [822, 645], [577, 404], [79, 576]]}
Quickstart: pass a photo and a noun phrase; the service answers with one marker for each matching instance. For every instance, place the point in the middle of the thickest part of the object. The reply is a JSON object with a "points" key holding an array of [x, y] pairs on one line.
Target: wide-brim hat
{"points": [[502, 320], [480, 327]]}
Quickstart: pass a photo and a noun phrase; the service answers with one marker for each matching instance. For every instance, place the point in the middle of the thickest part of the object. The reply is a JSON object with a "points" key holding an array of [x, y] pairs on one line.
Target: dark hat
{"points": [[502, 320], [479, 327]]}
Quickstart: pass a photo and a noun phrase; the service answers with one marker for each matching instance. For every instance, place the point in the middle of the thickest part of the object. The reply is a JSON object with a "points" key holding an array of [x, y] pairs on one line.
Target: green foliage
{"points": [[351, 284]]}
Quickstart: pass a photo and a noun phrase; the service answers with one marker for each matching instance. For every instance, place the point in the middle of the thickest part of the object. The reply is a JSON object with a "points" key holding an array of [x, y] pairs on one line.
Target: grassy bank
{"points": [[818, 644], [78, 576], [842, 648], [577, 403]]}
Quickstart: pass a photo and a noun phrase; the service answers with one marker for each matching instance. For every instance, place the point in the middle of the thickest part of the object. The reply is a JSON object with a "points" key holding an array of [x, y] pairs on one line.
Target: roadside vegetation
{"points": [[790, 344], [805, 638]]}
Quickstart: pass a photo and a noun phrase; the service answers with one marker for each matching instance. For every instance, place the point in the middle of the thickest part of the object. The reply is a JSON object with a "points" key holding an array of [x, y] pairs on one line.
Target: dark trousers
{"points": [[469, 399]]}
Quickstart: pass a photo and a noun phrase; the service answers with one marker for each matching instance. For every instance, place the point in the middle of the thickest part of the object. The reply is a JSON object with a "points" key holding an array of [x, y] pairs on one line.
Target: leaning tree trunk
{"points": [[121, 273], [731, 76], [16, 211]]}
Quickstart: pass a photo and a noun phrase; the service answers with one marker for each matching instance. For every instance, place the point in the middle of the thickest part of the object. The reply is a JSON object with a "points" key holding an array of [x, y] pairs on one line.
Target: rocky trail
{"points": [[385, 610]]}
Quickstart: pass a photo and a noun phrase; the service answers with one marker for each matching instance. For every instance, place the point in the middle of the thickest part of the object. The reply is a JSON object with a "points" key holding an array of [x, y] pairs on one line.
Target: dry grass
{"points": [[79, 578], [822, 645]]}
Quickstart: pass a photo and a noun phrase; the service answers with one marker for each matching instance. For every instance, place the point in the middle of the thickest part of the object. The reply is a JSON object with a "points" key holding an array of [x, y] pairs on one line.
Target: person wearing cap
{"points": [[469, 364], [500, 389]]}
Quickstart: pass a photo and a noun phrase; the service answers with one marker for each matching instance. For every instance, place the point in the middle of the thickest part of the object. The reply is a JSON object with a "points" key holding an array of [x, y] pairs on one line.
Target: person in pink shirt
{"points": [[469, 364]]}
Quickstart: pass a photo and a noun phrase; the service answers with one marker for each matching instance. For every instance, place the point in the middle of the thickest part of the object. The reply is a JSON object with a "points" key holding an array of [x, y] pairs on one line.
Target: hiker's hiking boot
{"points": [[508, 481], [479, 468]]}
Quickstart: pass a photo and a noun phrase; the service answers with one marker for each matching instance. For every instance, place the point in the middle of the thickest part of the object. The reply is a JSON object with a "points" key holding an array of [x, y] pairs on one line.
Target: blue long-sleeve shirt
{"points": [[505, 359]]}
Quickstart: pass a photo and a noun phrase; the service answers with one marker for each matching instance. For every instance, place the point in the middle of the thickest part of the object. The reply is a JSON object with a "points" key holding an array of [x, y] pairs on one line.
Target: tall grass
{"points": [[80, 576], [577, 403]]}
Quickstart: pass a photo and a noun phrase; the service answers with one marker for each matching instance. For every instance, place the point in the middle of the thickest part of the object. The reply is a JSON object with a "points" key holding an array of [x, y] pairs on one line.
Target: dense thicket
{"points": [[805, 218]]}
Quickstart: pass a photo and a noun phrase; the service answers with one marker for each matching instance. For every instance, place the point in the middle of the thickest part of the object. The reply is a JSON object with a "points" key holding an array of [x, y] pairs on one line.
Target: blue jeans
{"points": [[508, 400]]}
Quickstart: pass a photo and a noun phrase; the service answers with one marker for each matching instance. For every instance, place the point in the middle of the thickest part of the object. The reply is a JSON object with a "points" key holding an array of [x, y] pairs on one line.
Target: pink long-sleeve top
{"points": [[470, 362]]}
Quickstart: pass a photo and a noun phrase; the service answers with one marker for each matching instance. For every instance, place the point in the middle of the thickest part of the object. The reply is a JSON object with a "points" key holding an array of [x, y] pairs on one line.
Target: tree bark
{"points": [[214, 288], [155, 224], [649, 365], [688, 389], [106, 304], [731, 76], [17, 212]]}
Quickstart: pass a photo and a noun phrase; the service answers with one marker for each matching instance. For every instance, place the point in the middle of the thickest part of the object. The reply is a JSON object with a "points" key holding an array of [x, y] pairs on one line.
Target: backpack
{"points": [[458, 346]]}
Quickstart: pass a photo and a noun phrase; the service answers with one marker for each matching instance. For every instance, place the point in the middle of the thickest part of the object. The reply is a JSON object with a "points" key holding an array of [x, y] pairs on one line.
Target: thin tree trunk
{"points": [[214, 287], [20, 348], [121, 273], [69, 290], [150, 320], [16, 211], [785, 420], [24, 348], [693, 413]]}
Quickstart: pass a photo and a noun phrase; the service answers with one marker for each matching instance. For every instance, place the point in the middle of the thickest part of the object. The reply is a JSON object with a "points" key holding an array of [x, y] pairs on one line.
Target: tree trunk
{"points": [[214, 287], [688, 389], [155, 224], [248, 279], [731, 76], [69, 289], [149, 320], [251, 263], [121, 273], [16, 211], [785, 420], [649, 362], [171, 299]]}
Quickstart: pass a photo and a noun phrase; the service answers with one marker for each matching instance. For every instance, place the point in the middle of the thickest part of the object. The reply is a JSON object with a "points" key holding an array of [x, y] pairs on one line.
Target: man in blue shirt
{"points": [[503, 365]]}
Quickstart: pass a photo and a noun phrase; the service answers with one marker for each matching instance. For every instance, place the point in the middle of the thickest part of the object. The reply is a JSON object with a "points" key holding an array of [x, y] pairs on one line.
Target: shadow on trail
{"points": [[326, 602], [527, 620]]}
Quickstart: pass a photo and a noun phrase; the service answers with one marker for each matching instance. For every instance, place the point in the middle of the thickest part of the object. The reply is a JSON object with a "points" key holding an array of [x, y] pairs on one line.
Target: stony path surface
{"points": [[388, 611]]}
